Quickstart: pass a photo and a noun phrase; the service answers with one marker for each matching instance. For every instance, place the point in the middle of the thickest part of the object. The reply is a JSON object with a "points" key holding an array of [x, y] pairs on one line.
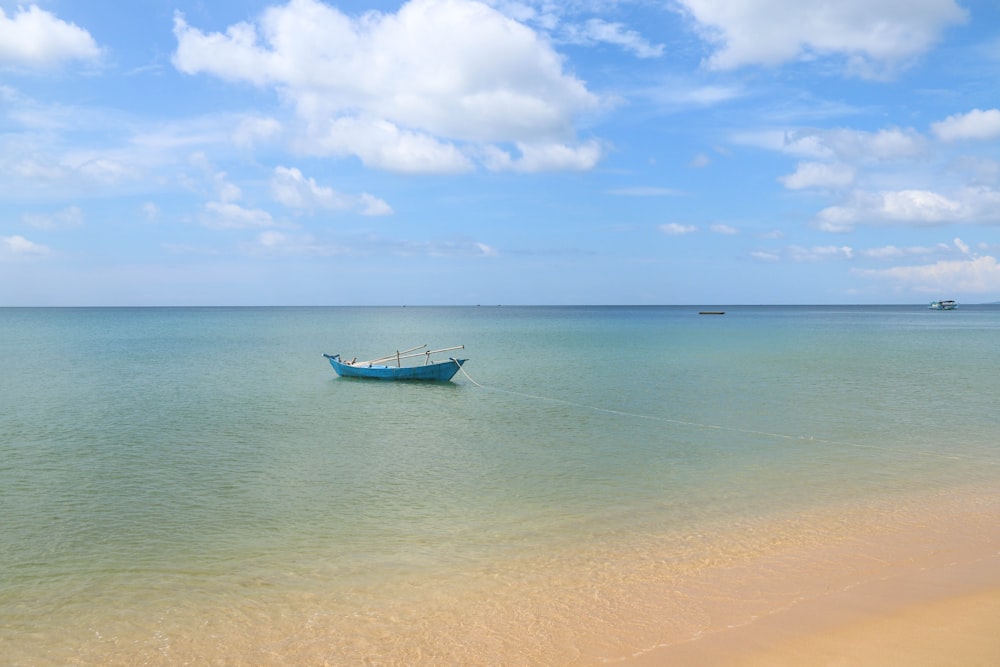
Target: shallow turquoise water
{"points": [[163, 454]]}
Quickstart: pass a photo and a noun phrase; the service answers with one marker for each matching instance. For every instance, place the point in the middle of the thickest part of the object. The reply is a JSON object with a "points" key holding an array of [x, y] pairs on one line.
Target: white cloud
{"points": [[871, 36], [227, 215], [228, 192], [18, 246], [681, 93], [597, 31], [105, 170], [818, 253], [976, 275], [725, 230], [372, 205], [806, 255], [912, 207], [293, 189], [403, 91], [765, 256], [254, 129], [819, 175], [35, 37], [677, 229], [802, 143], [890, 252], [67, 218], [34, 169], [544, 157], [975, 125], [909, 206], [225, 190], [854, 145], [382, 144]]}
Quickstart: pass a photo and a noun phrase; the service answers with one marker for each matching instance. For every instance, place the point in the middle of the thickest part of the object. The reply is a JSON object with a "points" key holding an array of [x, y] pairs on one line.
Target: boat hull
{"points": [[442, 371]]}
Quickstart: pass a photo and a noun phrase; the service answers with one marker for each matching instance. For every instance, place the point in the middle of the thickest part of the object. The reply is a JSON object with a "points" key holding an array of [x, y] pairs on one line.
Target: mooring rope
{"points": [[731, 429]]}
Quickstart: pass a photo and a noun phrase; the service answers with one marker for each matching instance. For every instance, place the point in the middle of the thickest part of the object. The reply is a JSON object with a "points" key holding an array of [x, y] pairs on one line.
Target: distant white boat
{"points": [[943, 305]]}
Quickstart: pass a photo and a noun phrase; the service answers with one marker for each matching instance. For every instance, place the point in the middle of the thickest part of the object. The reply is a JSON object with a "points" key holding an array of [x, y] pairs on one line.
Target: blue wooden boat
{"points": [[382, 368]]}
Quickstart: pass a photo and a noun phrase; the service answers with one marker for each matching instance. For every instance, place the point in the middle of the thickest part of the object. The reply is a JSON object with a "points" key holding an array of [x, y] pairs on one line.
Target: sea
{"points": [[197, 486]]}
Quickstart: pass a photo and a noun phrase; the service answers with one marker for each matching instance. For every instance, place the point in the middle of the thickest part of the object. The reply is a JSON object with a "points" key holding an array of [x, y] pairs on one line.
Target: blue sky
{"points": [[303, 152]]}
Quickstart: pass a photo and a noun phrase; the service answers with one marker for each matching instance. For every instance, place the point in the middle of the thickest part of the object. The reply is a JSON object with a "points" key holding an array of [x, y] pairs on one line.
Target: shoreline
{"points": [[942, 616], [908, 580], [937, 607]]}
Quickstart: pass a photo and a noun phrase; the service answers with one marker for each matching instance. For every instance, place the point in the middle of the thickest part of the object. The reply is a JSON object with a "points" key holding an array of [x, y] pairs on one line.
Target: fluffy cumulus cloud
{"points": [[971, 274], [976, 125], [904, 206], [382, 144], [912, 207], [293, 189], [873, 37], [34, 37], [18, 246], [424, 89], [848, 162]]}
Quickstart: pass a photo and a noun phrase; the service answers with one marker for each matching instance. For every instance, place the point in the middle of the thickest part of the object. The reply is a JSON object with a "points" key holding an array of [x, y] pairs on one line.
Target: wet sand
{"points": [[941, 610]]}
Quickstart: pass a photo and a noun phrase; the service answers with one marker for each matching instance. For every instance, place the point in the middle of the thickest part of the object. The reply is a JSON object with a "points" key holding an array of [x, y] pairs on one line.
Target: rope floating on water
{"points": [[731, 429]]}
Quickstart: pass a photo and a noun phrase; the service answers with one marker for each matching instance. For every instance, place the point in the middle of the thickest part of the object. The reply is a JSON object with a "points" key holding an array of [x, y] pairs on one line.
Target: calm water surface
{"points": [[196, 484]]}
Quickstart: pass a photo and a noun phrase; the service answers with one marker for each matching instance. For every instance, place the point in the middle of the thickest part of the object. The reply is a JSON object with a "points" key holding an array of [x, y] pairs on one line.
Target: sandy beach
{"points": [[940, 609]]}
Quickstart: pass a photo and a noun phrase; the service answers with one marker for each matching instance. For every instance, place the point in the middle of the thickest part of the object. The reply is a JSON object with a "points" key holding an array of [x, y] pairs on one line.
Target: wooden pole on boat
{"points": [[401, 355], [390, 356], [428, 353], [447, 349]]}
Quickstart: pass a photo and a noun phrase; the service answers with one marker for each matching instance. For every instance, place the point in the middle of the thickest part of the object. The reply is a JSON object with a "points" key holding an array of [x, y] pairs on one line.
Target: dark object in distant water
{"points": [[943, 305], [711, 312]]}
